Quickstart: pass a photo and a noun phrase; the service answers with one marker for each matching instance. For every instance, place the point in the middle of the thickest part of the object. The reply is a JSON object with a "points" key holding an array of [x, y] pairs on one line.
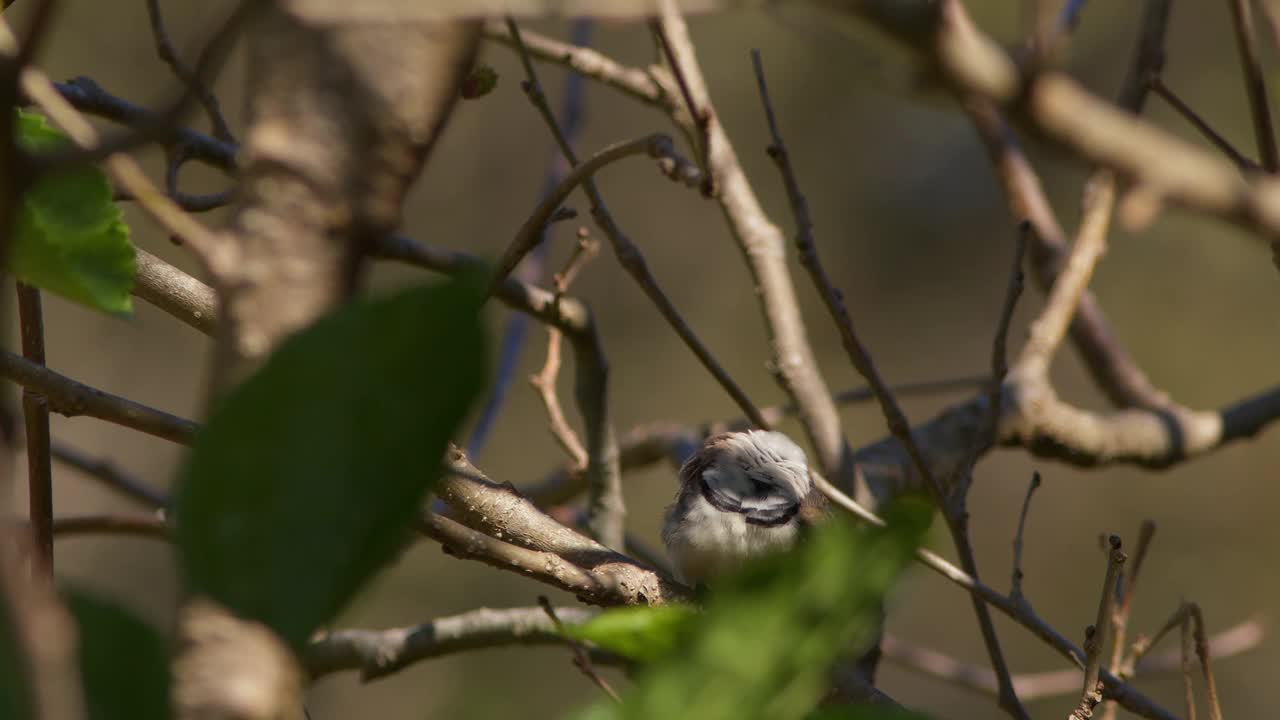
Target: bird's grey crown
{"points": [[761, 475]]}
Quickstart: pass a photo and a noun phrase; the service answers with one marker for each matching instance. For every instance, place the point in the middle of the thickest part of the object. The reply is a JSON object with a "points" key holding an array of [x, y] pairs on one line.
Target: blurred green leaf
{"points": [[770, 634], [639, 633], [14, 698], [308, 476], [124, 663], [68, 236]]}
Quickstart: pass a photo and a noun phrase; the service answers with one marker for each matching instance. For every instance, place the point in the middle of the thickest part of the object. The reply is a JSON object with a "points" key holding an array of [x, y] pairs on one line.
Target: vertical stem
{"points": [[35, 410], [1255, 84]]}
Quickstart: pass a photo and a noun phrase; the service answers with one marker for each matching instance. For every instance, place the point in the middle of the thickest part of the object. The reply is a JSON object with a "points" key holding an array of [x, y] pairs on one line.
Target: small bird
{"points": [[742, 495]]}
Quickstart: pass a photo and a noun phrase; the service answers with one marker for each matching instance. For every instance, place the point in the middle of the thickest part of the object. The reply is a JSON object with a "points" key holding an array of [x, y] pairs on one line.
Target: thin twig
{"points": [[1129, 697], [1188, 692], [1241, 638], [516, 328], [1047, 331], [35, 411], [1120, 617], [699, 117], [1016, 592], [379, 653], [894, 417], [764, 247], [194, 83], [148, 526], [1166, 93], [1255, 83], [1096, 634], [606, 502], [544, 381], [1202, 651], [71, 398], [111, 476], [87, 96], [580, 658]]}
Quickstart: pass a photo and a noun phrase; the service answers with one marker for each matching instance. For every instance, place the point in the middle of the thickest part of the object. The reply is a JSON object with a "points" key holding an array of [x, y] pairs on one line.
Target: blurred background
{"points": [[913, 228]]}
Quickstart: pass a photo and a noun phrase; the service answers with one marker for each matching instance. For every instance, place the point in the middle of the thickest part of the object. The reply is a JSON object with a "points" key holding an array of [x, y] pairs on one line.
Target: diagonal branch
{"points": [[378, 653], [71, 398], [764, 248]]}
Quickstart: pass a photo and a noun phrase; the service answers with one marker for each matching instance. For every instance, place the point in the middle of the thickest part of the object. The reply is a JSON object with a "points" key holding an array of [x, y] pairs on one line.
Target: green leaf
{"points": [[68, 236], [308, 476], [769, 636], [124, 663], [639, 633], [15, 697]]}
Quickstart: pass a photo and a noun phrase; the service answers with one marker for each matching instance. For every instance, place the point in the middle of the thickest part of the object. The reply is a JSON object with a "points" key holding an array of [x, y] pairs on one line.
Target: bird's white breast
{"points": [[708, 542]]}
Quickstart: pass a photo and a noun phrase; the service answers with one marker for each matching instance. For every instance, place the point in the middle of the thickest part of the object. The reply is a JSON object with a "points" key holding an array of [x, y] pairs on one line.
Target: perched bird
{"points": [[741, 495]]}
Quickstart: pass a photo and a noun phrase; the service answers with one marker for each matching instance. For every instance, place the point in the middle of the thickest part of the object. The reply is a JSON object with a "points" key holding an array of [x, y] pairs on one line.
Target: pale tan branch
{"points": [[378, 653], [764, 248]]}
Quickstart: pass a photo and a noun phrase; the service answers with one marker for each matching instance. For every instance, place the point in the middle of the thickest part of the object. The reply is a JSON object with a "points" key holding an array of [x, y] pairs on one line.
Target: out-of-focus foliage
{"points": [[68, 236], [13, 692], [769, 636], [309, 474], [124, 663], [638, 633]]}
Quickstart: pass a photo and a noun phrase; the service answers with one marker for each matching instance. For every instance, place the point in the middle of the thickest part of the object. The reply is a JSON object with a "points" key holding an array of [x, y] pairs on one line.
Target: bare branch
{"points": [[1164, 92], [191, 80], [580, 658], [1255, 83], [633, 82], [35, 411], [148, 526], [1096, 634], [378, 653], [175, 292], [1021, 613], [1016, 592], [110, 475], [1048, 330], [87, 96], [71, 398], [1241, 638], [764, 246]]}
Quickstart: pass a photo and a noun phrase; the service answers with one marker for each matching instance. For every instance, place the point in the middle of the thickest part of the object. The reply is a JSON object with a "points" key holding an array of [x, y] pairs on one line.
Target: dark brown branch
{"points": [[1164, 92], [1241, 638], [35, 411], [193, 82], [764, 247], [1255, 83], [952, 510], [71, 398], [111, 476], [89, 97], [378, 653], [1021, 613], [1015, 592], [581, 659]]}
